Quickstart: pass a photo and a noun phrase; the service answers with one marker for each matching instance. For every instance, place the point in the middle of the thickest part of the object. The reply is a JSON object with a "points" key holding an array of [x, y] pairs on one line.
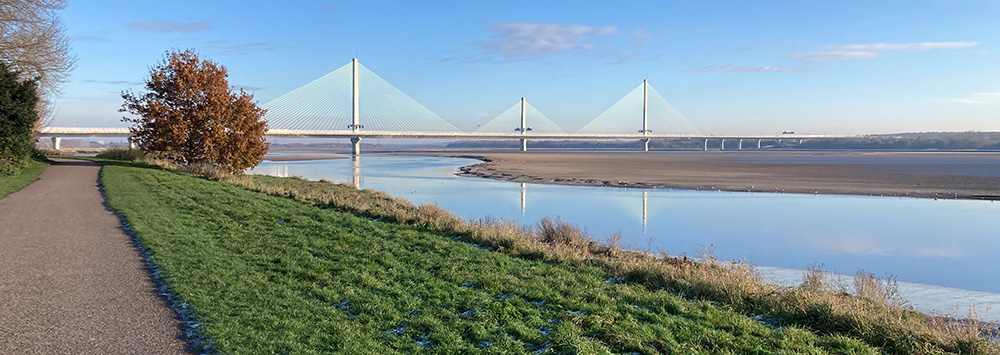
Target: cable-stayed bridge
{"points": [[355, 103]]}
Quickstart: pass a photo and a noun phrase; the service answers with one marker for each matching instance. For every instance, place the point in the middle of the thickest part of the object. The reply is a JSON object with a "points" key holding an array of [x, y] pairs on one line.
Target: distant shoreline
{"points": [[944, 175]]}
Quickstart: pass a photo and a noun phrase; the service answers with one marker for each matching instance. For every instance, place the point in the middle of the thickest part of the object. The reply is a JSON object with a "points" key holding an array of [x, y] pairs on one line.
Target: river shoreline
{"points": [[951, 175]]}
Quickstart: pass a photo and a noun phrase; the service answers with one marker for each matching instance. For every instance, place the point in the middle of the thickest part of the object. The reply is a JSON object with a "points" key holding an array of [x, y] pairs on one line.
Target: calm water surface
{"points": [[948, 243]]}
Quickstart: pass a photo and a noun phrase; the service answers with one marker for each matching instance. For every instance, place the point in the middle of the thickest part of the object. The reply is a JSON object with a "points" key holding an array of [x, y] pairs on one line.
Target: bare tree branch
{"points": [[33, 43]]}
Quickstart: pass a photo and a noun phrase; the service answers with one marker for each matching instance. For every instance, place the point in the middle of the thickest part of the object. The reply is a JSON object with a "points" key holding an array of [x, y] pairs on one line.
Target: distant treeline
{"points": [[931, 140]]}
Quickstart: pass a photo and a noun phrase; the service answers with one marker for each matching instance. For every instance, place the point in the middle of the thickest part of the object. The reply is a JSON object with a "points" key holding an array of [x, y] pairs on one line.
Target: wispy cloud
{"points": [[114, 82], [833, 55], [329, 9], [913, 47], [980, 98], [872, 50], [167, 26], [514, 41], [765, 68], [227, 47]]}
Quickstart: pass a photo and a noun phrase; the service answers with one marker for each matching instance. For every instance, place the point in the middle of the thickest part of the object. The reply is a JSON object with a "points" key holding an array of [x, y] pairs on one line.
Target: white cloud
{"points": [[167, 26], [523, 40], [639, 36], [868, 51], [913, 47], [834, 55], [766, 68]]}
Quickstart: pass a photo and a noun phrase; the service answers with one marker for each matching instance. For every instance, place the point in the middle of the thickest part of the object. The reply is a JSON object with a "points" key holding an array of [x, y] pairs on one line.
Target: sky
{"points": [[730, 67]]}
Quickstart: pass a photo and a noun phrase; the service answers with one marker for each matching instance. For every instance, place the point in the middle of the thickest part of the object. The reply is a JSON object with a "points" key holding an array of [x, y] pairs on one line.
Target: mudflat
{"points": [[71, 281], [951, 175]]}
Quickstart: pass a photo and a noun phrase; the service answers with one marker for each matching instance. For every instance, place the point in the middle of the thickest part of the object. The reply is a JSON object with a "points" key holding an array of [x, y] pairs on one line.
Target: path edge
{"points": [[196, 342]]}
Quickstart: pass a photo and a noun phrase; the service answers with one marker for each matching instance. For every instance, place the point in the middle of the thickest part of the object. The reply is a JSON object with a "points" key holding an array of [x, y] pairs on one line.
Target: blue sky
{"points": [[730, 67]]}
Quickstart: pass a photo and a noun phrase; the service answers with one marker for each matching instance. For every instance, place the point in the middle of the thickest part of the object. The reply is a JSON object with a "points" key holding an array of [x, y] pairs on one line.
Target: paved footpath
{"points": [[71, 281]]}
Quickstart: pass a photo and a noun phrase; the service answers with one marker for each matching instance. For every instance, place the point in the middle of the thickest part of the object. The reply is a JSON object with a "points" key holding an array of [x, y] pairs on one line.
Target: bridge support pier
{"points": [[645, 144], [56, 143], [758, 144], [524, 145], [741, 144], [131, 143], [356, 146], [723, 146], [706, 144]]}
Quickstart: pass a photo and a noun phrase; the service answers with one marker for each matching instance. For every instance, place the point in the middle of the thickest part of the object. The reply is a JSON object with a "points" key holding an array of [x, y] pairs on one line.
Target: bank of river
{"points": [[942, 251]]}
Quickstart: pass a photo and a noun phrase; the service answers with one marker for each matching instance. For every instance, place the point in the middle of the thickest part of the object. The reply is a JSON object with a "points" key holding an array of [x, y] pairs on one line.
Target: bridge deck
{"points": [[286, 133]]}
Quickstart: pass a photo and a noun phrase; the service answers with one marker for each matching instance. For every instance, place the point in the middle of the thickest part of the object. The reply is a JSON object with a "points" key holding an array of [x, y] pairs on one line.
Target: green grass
{"points": [[267, 274], [22, 178], [874, 317]]}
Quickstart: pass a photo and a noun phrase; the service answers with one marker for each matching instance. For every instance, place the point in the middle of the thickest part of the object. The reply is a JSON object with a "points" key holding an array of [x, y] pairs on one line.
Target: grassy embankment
{"points": [[22, 178], [273, 274]]}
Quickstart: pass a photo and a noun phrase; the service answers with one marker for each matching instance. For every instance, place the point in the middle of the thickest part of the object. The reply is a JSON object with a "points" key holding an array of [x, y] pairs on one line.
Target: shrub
{"points": [[18, 115], [123, 154]]}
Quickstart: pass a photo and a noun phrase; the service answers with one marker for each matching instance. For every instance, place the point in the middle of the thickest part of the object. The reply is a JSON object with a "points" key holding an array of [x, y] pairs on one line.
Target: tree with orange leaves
{"points": [[190, 115]]}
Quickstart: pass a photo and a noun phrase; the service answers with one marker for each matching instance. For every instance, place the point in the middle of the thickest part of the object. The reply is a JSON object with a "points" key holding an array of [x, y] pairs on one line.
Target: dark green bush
{"points": [[18, 114]]}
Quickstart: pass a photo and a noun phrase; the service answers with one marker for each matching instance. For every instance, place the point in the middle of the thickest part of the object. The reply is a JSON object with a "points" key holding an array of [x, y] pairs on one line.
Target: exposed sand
{"points": [[952, 175]]}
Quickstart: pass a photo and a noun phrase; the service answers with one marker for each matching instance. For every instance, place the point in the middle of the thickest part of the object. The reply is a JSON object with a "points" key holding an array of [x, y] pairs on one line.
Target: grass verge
{"points": [[268, 274], [873, 315], [28, 174]]}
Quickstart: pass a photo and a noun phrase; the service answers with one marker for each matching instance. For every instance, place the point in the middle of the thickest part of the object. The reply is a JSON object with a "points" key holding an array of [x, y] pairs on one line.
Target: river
{"points": [[943, 252]]}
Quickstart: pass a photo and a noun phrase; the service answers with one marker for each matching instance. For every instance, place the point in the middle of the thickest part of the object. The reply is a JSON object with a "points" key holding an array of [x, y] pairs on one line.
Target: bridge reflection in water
{"points": [[925, 241]]}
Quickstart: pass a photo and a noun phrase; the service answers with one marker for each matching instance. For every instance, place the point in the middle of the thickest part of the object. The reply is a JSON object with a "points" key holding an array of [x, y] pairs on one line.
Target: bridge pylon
{"points": [[356, 105], [645, 114]]}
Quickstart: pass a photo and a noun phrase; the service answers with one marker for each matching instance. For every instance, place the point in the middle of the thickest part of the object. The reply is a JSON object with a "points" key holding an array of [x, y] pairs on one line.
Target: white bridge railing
{"points": [[56, 133]]}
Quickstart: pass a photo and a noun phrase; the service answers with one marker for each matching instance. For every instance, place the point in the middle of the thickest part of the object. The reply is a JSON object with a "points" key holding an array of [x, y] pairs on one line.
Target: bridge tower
{"points": [[356, 115], [645, 114]]}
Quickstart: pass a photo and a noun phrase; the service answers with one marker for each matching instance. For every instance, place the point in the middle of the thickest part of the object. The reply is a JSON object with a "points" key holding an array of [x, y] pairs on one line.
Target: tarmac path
{"points": [[71, 281]]}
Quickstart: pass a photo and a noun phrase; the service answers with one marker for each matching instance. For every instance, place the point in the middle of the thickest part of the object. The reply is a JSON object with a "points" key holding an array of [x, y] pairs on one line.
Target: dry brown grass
{"points": [[873, 313], [210, 171]]}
